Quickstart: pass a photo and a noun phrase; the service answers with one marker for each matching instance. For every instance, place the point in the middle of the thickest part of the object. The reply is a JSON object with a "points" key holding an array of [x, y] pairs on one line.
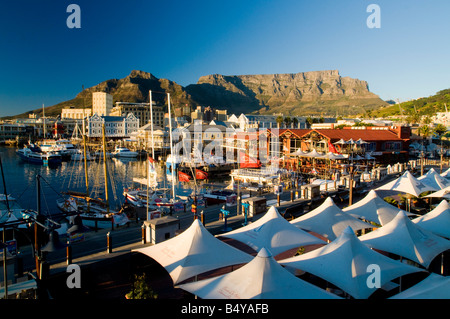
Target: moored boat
{"points": [[35, 155]]}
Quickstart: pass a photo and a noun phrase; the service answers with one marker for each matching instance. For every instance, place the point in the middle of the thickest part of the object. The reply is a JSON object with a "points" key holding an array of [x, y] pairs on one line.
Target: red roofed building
{"points": [[387, 144]]}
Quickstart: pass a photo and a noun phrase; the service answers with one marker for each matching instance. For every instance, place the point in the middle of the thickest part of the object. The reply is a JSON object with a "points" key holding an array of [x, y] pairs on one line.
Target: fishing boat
{"points": [[33, 154], [124, 152]]}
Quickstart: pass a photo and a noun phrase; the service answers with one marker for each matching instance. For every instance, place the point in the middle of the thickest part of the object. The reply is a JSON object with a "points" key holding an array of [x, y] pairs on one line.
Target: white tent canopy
{"points": [[313, 154], [262, 278], [344, 263], [273, 232], [432, 178], [407, 183], [443, 193], [298, 152], [437, 220], [328, 220], [432, 287], [334, 156], [446, 174], [373, 208], [193, 252], [404, 238]]}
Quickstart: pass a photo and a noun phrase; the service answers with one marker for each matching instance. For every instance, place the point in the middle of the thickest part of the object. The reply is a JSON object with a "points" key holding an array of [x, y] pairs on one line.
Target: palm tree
{"points": [[279, 120]]}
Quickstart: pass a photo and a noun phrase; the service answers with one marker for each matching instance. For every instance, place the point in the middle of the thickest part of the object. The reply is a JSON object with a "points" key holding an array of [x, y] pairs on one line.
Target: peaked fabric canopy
{"points": [[437, 220], [432, 178], [373, 208], [334, 156], [273, 232], [345, 261], [193, 252], [313, 154], [262, 278], [404, 238], [443, 193], [407, 183], [328, 220], [432, 287], [446, 174]]}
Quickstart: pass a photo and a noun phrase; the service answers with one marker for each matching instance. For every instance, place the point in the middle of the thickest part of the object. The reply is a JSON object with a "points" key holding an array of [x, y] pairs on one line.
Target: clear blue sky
{"points": [[42, 61]]}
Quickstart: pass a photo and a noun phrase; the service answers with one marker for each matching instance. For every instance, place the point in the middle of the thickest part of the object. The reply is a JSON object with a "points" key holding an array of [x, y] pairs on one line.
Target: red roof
{"points": [[365, 135]]}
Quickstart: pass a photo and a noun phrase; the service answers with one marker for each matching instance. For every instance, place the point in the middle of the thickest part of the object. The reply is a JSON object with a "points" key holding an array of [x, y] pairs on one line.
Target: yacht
{"points": [[124, 152]]}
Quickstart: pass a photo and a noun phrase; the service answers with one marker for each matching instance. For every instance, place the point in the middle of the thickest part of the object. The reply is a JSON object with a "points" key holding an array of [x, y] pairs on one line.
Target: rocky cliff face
{"points": [[295, 94], [308, 93]]}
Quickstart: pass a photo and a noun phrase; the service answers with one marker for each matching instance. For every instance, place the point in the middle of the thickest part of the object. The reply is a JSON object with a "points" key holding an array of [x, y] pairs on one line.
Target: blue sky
{"points": [[42, 61]]}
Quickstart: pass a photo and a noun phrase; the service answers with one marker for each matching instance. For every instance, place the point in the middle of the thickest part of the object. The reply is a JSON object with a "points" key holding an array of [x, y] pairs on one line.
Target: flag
{"points": [[151, 166], [332, 149], [249, 162], [183, 177], [200, 174]]}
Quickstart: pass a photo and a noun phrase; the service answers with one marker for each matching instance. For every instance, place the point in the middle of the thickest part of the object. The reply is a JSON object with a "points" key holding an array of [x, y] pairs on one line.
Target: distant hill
{"points": [[308, 93], [422, 106]]}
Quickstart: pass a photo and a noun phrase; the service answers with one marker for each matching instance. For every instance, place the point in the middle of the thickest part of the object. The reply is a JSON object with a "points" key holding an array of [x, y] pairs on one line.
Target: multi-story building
{"points": [[75, 113], [140, 111], [102, 103], [115, 126]]}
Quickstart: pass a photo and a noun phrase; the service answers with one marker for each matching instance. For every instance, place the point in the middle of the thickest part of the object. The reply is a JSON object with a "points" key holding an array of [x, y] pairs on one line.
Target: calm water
{"points": [[21, 182]]}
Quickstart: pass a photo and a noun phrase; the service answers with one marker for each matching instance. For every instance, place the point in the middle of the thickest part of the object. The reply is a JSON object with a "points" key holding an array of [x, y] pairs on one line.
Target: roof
{"points": [[365, 135]]}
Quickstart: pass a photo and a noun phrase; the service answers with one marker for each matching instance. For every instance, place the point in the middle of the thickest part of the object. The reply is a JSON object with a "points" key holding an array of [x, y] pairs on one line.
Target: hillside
{"points": [[308, 93], [423, 106], [133, 88]]}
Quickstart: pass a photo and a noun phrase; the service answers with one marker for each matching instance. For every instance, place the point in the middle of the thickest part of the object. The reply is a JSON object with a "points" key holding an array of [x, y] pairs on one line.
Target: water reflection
{"points": [[21, 182]]}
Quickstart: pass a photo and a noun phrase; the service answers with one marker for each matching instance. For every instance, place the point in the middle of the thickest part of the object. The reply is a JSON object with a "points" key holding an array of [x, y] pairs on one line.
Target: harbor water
{"points": [[21, 180]]}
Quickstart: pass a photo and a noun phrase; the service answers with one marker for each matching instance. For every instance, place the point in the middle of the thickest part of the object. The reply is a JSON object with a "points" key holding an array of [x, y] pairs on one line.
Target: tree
{"points": [[426, 131], [141, 290], [279, 120], [440, 130], [295, 121], [287, 120]]}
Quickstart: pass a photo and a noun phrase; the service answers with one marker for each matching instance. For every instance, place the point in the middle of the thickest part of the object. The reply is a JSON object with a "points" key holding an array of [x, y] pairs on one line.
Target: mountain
{"points": [[438, 102], [133, 88], [308, 93]]}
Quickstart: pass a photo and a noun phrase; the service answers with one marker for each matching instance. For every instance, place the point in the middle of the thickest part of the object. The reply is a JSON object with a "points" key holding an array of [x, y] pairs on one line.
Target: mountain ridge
{"points": [[304, 93]]}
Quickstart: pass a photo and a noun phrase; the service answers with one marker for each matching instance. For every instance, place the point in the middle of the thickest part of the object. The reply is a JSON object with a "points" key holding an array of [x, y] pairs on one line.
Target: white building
{"points": [[102, 103], [115, 126], [442, 118], [76, 114]]}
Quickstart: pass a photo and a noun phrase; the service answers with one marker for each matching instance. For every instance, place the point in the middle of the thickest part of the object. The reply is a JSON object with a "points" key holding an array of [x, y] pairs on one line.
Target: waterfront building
{"points": [[141, 111], [115, 126], [75, 113], [161, 138], [102, 103], [387, 143]]}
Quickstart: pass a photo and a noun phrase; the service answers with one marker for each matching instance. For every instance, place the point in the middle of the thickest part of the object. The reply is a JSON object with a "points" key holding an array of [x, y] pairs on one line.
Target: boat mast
{"points": [[85, 153], [171, 149], [151, 121], [104, 165]]}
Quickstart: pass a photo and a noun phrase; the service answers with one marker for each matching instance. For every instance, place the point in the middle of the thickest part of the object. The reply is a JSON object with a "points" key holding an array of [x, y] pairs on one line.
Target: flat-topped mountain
{"points": [[295, 94], [307, 93]]}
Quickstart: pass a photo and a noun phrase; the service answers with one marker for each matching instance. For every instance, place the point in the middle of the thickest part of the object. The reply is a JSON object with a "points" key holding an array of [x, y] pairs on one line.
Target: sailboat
{"points": [[153, 198], [93, 212]]}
